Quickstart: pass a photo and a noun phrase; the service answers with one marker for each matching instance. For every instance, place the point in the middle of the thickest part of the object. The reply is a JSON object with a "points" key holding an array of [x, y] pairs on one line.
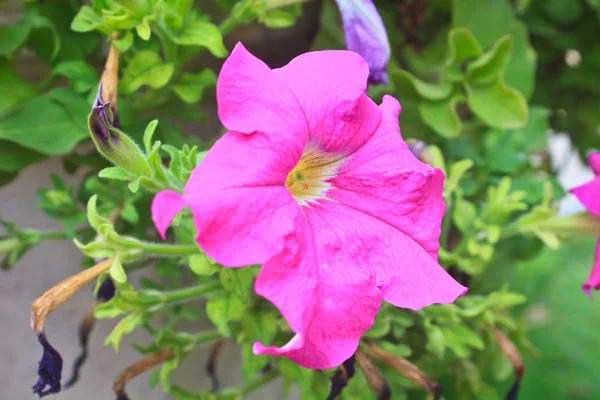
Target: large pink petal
{"points": [[593, 282], [589, 195], [330, 87], [594, 162], [241, 160], [245, 226], [251, 98], [384, 179], [330, 292]]}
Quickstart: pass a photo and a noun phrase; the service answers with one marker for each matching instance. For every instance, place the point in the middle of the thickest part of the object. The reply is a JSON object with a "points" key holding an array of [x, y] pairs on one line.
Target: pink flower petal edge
{"points": [[589, 195]]}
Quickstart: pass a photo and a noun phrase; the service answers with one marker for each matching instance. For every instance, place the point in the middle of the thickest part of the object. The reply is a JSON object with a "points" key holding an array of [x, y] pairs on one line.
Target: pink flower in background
{"points": [[589, 195], [314, 181]]}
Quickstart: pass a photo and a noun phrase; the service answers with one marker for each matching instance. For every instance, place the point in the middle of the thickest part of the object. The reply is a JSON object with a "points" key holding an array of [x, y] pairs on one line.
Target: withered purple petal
{"points": [[49, 369]]}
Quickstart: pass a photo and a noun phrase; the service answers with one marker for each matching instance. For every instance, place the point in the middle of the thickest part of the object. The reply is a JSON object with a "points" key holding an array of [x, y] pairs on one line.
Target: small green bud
{"points": [[111, 142]]}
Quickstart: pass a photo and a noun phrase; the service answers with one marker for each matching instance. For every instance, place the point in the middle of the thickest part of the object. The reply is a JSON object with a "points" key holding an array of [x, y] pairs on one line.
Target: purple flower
{"points": [[366, 35], [49, 370]]}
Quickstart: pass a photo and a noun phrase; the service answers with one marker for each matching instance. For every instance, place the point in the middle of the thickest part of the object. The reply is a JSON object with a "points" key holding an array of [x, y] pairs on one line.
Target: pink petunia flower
{"points": [[314, 181], [589, 195]]}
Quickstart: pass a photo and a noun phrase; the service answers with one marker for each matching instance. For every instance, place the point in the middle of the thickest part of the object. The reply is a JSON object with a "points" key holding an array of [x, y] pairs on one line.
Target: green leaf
{"points": [[123, 43], [202, 265], [563, 12], [12, 37], [238, 281], [442, 117], [191, 86], [421, 88], [436, 341], [487, 20], [45, 124], [504, 151], [146, 68], [167, 368], [14, 158], [464, 214], [277, 18], [222, 311], [117, 272], [520, 71], [124, 327], [486, 68], [196, 32], [86, 20], [143, 29], [457, 170], [498, 105], [11, 82], [81, 75], [149, 134], [380, 327], [129, 213], [462, 46], [116, 173]]}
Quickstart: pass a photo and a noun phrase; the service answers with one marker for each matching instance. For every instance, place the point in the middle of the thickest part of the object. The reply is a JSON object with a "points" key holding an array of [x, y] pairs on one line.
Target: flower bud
{"points": [[111, 142], [366, 35]]}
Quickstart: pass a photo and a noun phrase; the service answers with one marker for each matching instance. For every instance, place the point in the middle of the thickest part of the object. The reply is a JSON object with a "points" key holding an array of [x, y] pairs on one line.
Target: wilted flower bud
{"points": [[111, 142], [49, 369], [366, 35], [50, 365]]}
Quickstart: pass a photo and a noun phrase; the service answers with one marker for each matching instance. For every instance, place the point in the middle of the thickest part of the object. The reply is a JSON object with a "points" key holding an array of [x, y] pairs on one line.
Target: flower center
{"points": [[309, 180]]}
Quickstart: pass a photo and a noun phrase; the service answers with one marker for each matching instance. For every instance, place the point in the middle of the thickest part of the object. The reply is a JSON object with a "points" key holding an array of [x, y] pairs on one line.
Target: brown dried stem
{"points": [[512, 353], [139, 368], [110, 77], [62, 291], [406, 368], [374, 377]]}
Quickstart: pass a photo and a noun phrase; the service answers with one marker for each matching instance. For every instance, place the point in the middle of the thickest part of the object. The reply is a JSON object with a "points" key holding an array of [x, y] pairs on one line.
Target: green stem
{"points": [[207, 337], [166, 249], [57, 234], [177, 296], [263, 380]]}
